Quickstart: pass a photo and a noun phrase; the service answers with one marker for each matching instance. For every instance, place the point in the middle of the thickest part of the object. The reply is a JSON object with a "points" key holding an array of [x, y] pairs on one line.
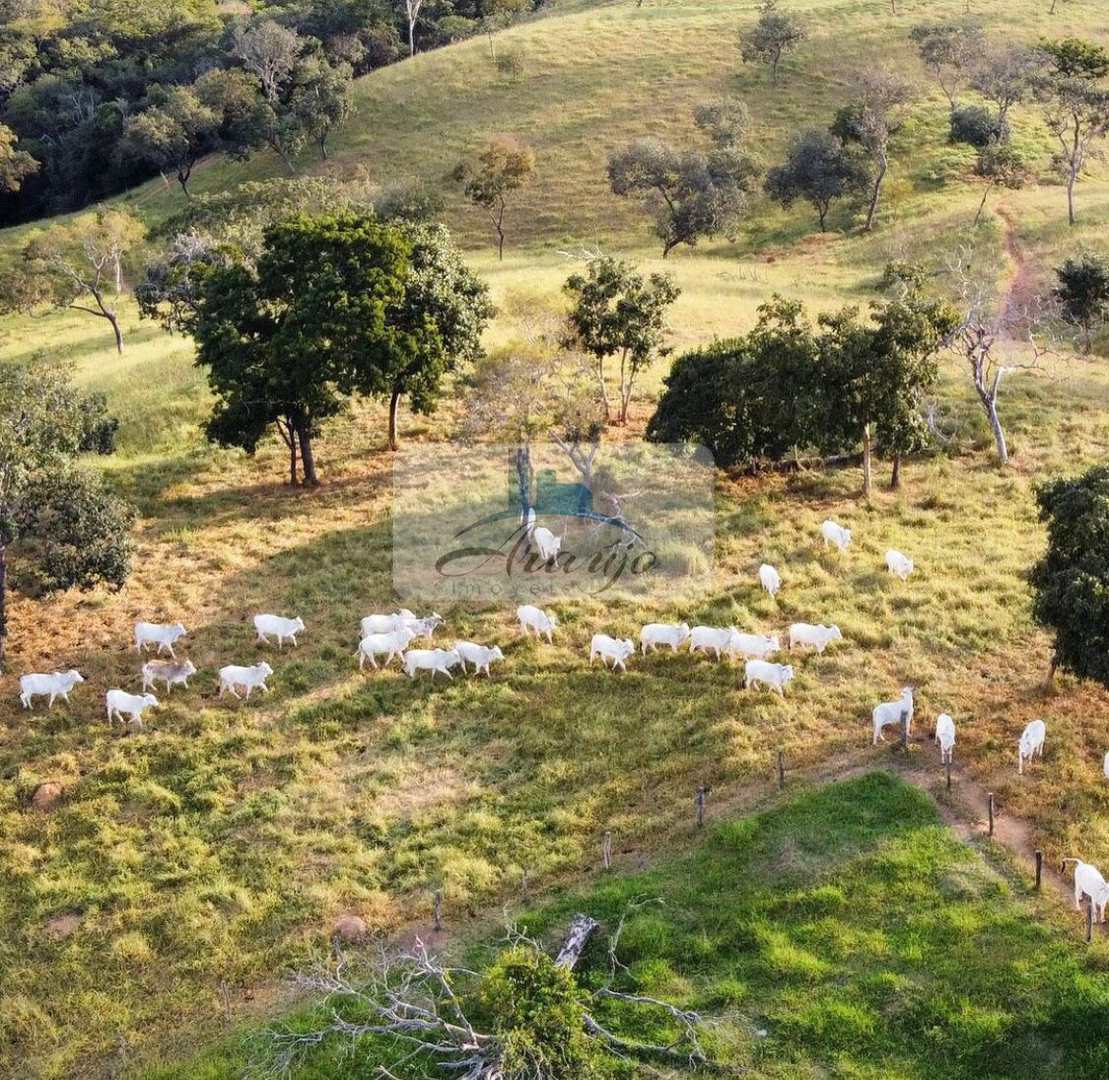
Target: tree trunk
{"points": [[867, 461], [577, 937], [523, 480], [895, 473], [982, 205], [998, 433], [394, 405], [1071, 177], [500, 244], [411, 36], [183, 175], [307, 458], [111, 317], [822, 211], [3, 601], [872, 209]]}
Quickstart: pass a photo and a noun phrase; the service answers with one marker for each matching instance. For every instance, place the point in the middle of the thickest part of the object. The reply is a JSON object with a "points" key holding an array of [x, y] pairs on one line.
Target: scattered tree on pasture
{"points": [[268, 51], [1075, 105], [501, 168], [70, 265], [950, 52], [1070, 583], [692, 194], [999, 165], [618, 312], [1083, 294], [286, 339], [58, 525], [976, 126], [322, 99], [173, 134], [774, 34], [870, 121], [748, 399], [407, 200], [725, 120], [15, 165], [1004, 76], [818, 169]]}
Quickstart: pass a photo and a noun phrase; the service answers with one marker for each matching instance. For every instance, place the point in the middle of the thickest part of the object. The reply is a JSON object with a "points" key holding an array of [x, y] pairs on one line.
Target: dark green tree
{"points": [[322, 99], [775, 33], [1070, 584], [15, 165], [58, 525], [999, 165], [173, 134], [618, 312], [818, 169], [285, 340], [1083, 294]]}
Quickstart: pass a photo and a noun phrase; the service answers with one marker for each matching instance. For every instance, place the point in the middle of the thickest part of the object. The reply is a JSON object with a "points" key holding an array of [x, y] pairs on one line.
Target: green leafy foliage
{"points": [[1083, 293], [818, 169], [1070, 584]]}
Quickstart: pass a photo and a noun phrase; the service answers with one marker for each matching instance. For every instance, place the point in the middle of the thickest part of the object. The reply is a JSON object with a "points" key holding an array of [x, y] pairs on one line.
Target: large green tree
{"points": [[173, 134], [617, 312], [1070, 584], [286, 339], [818, 169], [59, 528], [15, 165]]}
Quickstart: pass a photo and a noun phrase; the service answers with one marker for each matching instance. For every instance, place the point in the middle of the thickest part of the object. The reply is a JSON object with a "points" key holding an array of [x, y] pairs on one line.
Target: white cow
{"points": [[236, 677], [609, 648], [889, 713], [1089, 882], [120, 704], [818, 636], [432, 660], [481, 656], [945, 736], [770, 579], [548, 544], [171, 672], [772, 676], [835, 534], [656, 633], [901, 566], [278, 625], [57, 685], [388, 645], [533, 618], [384, 624], [161, 634], [716, 638], [425, 627], [757, 646], [1031, 743]]}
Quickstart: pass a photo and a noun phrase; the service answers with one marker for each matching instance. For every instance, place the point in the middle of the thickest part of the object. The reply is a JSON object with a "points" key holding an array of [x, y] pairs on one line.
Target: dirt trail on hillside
{"points": [[1020, 290]]}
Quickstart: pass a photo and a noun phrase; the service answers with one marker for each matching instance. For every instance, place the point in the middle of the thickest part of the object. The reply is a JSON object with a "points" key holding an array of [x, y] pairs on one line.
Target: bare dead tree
{"points": [[995, 337], [417, 1002]]}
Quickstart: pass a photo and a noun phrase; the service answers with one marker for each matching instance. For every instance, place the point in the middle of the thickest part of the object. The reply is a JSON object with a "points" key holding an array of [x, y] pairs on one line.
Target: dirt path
{"points": [[1020, 292]]}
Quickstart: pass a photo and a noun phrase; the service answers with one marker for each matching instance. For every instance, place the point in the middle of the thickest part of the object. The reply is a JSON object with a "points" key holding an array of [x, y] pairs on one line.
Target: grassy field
{"points": [[202, 858], [844, 933]]}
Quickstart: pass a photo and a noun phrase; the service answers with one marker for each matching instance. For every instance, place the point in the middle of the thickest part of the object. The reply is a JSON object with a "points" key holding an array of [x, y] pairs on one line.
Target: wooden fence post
{"points": [[1039, 868], [606, 849], [437, 910], [702, 791], [781, 771], [904, 729], [524, 883], [990, 798]]}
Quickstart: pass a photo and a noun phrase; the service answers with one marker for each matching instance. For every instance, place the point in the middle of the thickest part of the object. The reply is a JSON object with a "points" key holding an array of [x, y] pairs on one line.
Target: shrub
{"points": [[977, 126], [510, 63]]}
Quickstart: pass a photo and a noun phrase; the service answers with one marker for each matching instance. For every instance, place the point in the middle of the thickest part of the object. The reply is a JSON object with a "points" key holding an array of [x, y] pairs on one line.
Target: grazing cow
{"points": [[770, 579], [1088, 882], [120, 704], [757, 646], [171, 672], [901, 566], [1031, 743], [236, 677], [276, 624], [57, 685], [609, 648], [425, 627], [835, 534], [818, 636], [161, 634], [481, 656], [432, 660], [945, 736], [547, 543], [391, 644], [533, 618], [772, 676], [656, 633], [716, 638], [889, 712]]}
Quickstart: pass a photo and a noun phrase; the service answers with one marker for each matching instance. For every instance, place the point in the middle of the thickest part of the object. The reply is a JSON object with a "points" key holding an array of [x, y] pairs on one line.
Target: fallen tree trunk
{"points": [[581, 930]]}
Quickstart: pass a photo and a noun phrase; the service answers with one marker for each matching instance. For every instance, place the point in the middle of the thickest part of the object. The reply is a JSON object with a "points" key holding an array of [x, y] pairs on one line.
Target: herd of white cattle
{"points": [[391, 636]]}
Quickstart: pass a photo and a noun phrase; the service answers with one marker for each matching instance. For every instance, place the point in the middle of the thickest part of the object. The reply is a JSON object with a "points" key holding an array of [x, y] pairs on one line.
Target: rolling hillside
{"points": [[184, 870]]}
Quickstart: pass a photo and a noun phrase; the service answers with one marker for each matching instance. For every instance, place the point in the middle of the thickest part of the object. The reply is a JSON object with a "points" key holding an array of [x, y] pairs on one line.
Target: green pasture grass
{"points": [[844, 933]]}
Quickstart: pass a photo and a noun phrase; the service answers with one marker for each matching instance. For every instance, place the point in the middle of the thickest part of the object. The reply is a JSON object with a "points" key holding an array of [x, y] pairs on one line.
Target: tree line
{"points": [[97, 97]]}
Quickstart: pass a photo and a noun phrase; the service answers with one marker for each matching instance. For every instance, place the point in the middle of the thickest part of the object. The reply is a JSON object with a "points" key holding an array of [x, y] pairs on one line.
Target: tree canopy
{"points": [[818, 169], [502, 166], [1083, 293]]}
